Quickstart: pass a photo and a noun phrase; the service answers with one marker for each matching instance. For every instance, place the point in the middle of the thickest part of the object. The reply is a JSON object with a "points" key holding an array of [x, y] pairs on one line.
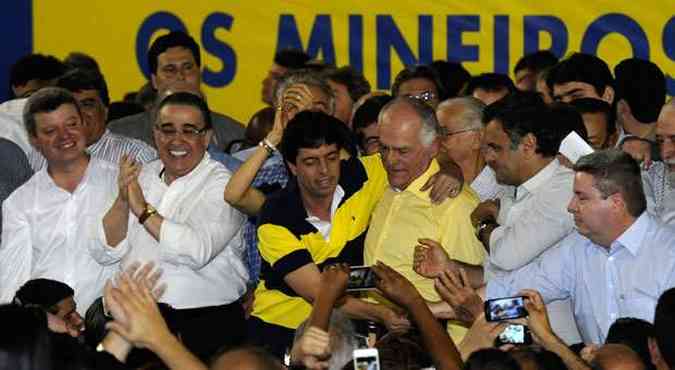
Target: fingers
{"points": [[429, 243]]}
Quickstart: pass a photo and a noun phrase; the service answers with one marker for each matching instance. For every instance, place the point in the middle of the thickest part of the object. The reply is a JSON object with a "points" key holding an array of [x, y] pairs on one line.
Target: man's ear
{"points": [[152, 80], [292, 167], [529, 143], [608, 95], [654, 352]]}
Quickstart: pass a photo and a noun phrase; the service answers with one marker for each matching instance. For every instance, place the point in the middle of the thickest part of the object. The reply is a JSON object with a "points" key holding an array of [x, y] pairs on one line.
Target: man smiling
{"points": [[172, 212]]}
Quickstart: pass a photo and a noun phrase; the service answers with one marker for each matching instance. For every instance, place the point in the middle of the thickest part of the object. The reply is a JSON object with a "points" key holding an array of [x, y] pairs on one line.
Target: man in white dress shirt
{"points": [[659, 179], [48, 221], [173, 212]]}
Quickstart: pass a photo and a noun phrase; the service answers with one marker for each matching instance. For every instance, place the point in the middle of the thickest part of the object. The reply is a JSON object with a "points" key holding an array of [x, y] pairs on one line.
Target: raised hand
{"points": [[456, 290], [430, 259]]}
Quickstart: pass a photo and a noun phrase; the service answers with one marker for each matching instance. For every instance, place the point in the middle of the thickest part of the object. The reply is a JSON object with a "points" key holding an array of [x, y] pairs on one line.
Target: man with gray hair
{"points": [[618, 260], [405, 216], [461, 139], [659, 179], [49, 222]]}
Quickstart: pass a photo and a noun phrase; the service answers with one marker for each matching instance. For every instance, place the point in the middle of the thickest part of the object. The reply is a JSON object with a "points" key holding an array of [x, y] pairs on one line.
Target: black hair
{"points": [[542, 358], [25, 343], [521, 113], [664, 326], [490, 82], [642, 85], [566, 119], [45, 100], [310, 130], [356, 83], [536, 62], [592, 105], [291, 58], [44, 293], [635, 334], [191, 100], [171, 40], [418, 71], [264, 359], [35, 67], [452, 75], [584, 68], [367, 115], [121, 109], [77, 80], [491, 359], [78, 60]]}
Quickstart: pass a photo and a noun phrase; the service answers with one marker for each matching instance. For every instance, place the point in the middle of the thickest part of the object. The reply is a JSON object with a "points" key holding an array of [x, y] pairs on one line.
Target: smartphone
{"points": [[366, 359], [361, 278], [505, 308], [514, 334]]}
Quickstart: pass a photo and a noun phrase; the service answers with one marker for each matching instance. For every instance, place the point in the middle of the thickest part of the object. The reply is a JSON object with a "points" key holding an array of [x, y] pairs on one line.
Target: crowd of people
{"points": [[155, 233]]}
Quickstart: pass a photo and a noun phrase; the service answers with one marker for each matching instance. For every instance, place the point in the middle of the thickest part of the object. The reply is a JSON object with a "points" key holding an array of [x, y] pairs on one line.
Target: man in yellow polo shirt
{"points": [[409, 138]]}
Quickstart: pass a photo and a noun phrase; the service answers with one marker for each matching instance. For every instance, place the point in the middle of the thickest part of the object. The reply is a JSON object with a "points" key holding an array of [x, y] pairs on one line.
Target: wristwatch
{"points": [[147, 212]]}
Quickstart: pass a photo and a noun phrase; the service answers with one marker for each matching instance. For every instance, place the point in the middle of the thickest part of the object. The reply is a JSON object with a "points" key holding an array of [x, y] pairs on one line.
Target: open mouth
{"points": [[178, 153]]}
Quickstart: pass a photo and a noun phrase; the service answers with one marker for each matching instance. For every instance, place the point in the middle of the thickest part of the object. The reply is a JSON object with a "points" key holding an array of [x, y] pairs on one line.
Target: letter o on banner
{"points": [[621, 24]]}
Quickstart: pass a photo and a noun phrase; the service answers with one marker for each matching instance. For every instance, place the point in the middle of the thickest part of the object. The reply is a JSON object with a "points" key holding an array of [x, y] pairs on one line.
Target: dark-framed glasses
{"points": [[425, 96]]}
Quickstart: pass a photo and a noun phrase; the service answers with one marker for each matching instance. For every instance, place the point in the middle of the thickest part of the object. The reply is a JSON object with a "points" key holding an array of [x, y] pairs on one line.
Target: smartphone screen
{"points": [[514, 334], [366, 359], [361, 278], [505, 308]]}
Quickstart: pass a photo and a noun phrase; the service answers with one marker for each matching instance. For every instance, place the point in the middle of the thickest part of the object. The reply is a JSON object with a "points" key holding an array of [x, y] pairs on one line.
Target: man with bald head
{"points": [[659, 179], [461, 137], [404, 217], [175, 60]]}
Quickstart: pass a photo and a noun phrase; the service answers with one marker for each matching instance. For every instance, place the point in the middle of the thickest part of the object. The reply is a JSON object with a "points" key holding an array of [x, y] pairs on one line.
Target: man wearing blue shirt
{"points": [[619, 260]]}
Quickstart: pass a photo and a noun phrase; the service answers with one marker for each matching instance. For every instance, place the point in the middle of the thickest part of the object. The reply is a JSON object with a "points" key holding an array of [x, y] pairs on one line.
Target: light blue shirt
{"points": [[603, 285]]}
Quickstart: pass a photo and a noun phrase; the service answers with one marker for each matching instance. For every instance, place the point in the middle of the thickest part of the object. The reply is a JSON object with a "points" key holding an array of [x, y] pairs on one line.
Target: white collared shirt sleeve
{"points": [[16, 247], [206, 233], [520, 241]]}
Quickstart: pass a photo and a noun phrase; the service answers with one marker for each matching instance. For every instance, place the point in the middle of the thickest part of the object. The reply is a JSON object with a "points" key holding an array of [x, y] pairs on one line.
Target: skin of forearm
{"points": [[174, 354], [358, 309], [115, 222], [475, 274], [241, 180], [436, 339], [154, 225], [552, 343], [321, 311]]}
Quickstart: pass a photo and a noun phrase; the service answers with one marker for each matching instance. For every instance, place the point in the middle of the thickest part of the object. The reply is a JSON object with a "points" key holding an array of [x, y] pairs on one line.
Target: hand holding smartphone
{"points": [[366, 359], [361, 278], [508, 308]]}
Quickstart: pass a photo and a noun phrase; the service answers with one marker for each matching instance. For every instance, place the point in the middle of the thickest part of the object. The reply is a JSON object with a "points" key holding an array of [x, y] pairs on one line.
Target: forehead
{"points": [[66, 305], [494, 132], [449, 116], [176, 54], [318, 94], [595, 119], [665, 125], [416, 85], [583, 182], [586, 88], [179, 114], [63, 112], [86, 94], [321, 151], [400, 126]]}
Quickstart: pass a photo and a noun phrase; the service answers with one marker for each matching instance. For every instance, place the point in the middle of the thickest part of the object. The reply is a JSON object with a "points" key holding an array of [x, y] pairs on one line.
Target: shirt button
{"points": [[622, 297]]}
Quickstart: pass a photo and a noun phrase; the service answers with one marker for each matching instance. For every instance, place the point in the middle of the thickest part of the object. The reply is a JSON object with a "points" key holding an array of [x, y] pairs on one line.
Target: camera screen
{"points": [[361, 278], [505, 308], [367, 363], [513, 334]]}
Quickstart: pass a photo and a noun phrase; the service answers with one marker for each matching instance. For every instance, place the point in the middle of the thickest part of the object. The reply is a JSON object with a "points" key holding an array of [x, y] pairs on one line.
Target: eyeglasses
{"points": [[188, 132], [425, 96], [446, 133]]}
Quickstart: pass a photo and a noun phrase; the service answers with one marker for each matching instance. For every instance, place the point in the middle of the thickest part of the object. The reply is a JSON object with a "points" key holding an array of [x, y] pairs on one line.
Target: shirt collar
{"points": [[418, 183], [203, 164], [338, 194], [541, 178], [92, 148], [634, 237]]}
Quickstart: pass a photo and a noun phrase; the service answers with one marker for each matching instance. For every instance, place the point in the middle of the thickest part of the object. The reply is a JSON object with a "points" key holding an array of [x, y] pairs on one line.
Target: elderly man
{"points": [[91, 92], [616, 263], [405, 215], [659, 179], [175, 57], [461, 140], [172, 212], [48, 222]]}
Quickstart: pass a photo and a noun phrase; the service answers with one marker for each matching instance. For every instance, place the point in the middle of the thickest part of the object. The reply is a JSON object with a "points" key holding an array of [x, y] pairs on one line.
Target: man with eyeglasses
{"points": [[172, 212], [461, 138]]}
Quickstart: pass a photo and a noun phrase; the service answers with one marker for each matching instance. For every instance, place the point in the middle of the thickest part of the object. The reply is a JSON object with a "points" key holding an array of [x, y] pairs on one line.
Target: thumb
{"points": [[427, 185], [118, 328]]}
